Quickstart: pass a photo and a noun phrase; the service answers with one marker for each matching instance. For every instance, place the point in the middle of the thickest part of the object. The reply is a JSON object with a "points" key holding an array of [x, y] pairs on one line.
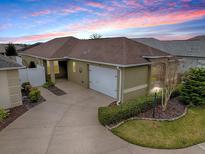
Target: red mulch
{"points": [[14, 113], [174, 109]]}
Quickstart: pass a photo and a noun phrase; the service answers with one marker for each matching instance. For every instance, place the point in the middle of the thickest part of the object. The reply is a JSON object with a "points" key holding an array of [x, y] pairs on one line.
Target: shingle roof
{"points": [[7, 63], [120, 50], [193, 47], [51, 49]]}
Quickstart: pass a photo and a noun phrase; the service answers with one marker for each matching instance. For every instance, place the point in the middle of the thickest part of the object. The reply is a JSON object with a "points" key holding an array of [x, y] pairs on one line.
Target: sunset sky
{"points": [[29, 21]]}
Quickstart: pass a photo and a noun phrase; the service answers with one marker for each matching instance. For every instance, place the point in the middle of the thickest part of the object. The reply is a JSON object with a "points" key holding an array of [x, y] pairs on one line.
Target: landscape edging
{"points": [[150, 119]]}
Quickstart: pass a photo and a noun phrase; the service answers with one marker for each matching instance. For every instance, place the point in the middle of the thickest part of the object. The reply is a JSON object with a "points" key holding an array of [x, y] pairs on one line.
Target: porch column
{"points": [[52, 73]]}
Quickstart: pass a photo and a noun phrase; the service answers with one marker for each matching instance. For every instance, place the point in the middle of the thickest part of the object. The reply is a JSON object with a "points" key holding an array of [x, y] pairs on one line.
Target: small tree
{"points": [[95, 36], [32, 64], [11, 50], [170, 81], [165, 75]]}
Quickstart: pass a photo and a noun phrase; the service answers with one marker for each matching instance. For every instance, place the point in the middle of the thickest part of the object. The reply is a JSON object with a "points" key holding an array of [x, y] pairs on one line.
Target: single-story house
{"points": [[191, 51], [117, 67], [10, 85]]}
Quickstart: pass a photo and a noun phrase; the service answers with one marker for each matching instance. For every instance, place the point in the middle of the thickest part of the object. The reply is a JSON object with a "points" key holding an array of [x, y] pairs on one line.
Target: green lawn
{"points": [[181, 133]]}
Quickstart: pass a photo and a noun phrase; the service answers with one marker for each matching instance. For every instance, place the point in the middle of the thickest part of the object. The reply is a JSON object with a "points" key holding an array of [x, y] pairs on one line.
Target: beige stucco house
{"points": [[118, 67], [10, 92]]}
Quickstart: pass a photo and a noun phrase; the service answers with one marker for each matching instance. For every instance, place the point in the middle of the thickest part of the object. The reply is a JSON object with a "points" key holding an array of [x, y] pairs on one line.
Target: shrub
{"points": [[25, 84], [48, 84], [112, 115], [3, 114], [193, 87], [34, 95], [26, 87]]}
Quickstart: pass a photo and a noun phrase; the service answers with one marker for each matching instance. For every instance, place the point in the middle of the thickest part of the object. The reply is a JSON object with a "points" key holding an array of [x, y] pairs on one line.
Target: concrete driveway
{"points": [[68, 125]]}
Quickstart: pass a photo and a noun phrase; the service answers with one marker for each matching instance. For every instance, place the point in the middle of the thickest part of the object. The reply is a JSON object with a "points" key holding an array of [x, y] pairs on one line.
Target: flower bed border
{"points": [[150, 119]]}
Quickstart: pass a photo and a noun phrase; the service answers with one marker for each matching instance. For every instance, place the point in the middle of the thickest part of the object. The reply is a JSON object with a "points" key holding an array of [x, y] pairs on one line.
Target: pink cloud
{"points": [[34, 38], [40, 13], [96, 4], [133, 20], [74, 9]]}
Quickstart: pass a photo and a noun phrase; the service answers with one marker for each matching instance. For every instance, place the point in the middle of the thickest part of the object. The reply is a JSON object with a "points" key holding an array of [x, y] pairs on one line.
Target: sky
{"points": [[30, 21]]}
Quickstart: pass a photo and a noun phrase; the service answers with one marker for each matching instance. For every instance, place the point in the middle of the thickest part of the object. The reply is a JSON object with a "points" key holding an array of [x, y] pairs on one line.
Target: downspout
{"points": [[120, 86]]}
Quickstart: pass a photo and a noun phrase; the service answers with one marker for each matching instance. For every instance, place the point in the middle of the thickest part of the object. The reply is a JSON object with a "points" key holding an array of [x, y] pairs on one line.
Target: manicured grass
{"points": [[181, 133]]}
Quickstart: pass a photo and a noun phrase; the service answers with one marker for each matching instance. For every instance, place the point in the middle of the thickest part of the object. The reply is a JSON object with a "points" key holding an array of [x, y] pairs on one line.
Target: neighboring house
{"points": [[117, 67], [192, 51], [9, 80], [3, 46]]}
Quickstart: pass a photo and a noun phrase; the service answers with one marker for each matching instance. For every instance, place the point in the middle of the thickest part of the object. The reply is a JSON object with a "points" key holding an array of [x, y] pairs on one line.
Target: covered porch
{"points": [[56, 70]]}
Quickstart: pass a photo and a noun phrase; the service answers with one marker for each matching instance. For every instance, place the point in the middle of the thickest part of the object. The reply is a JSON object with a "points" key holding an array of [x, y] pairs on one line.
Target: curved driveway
{"points": [[68, 125]]}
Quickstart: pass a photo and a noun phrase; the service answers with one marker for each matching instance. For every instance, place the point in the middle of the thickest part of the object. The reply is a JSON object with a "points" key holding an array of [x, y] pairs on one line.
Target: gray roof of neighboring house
{"points": [[120, 51], [18, 47], [7, 63], [194, 47]]}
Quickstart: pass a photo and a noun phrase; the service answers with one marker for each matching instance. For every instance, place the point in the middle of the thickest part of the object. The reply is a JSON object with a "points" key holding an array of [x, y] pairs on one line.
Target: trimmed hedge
{"points": [[115, 114]]}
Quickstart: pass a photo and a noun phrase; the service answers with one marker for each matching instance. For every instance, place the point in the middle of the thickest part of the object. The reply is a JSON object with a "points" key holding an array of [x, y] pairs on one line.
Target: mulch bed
{"points": [[55, 90], [174, 109], [14, 113], [28, 104]]}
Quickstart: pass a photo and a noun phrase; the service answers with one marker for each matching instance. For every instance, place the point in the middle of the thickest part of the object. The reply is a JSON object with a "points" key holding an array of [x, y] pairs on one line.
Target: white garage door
{"points": [[103, 80]]}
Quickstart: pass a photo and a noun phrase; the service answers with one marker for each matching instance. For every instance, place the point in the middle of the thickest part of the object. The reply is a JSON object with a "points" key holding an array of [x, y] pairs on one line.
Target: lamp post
{"points": [[155, 90], [154, 105]]}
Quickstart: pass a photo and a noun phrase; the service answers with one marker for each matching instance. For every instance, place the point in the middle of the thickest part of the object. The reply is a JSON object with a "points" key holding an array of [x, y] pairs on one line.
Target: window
{"points": [[56, 67], [74, 67]]}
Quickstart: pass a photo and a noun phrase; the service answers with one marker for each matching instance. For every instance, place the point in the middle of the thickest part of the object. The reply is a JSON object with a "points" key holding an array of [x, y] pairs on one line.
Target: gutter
{"points": [[156, 57], [120, 86], [89, 61], [11, 68]]}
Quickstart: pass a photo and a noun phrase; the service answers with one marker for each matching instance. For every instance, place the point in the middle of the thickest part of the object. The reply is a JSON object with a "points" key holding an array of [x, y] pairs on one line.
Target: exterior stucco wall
{"points": [[11, 90], [135, 82], [80, 76]]}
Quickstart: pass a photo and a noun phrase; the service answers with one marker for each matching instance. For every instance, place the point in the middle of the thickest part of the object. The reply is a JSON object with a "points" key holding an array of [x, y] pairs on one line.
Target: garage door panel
{"points": [[103, 80]]}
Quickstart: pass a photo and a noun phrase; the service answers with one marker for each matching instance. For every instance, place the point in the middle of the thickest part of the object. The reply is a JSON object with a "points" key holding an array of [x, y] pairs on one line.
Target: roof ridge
{"points": [[68, 38]]}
